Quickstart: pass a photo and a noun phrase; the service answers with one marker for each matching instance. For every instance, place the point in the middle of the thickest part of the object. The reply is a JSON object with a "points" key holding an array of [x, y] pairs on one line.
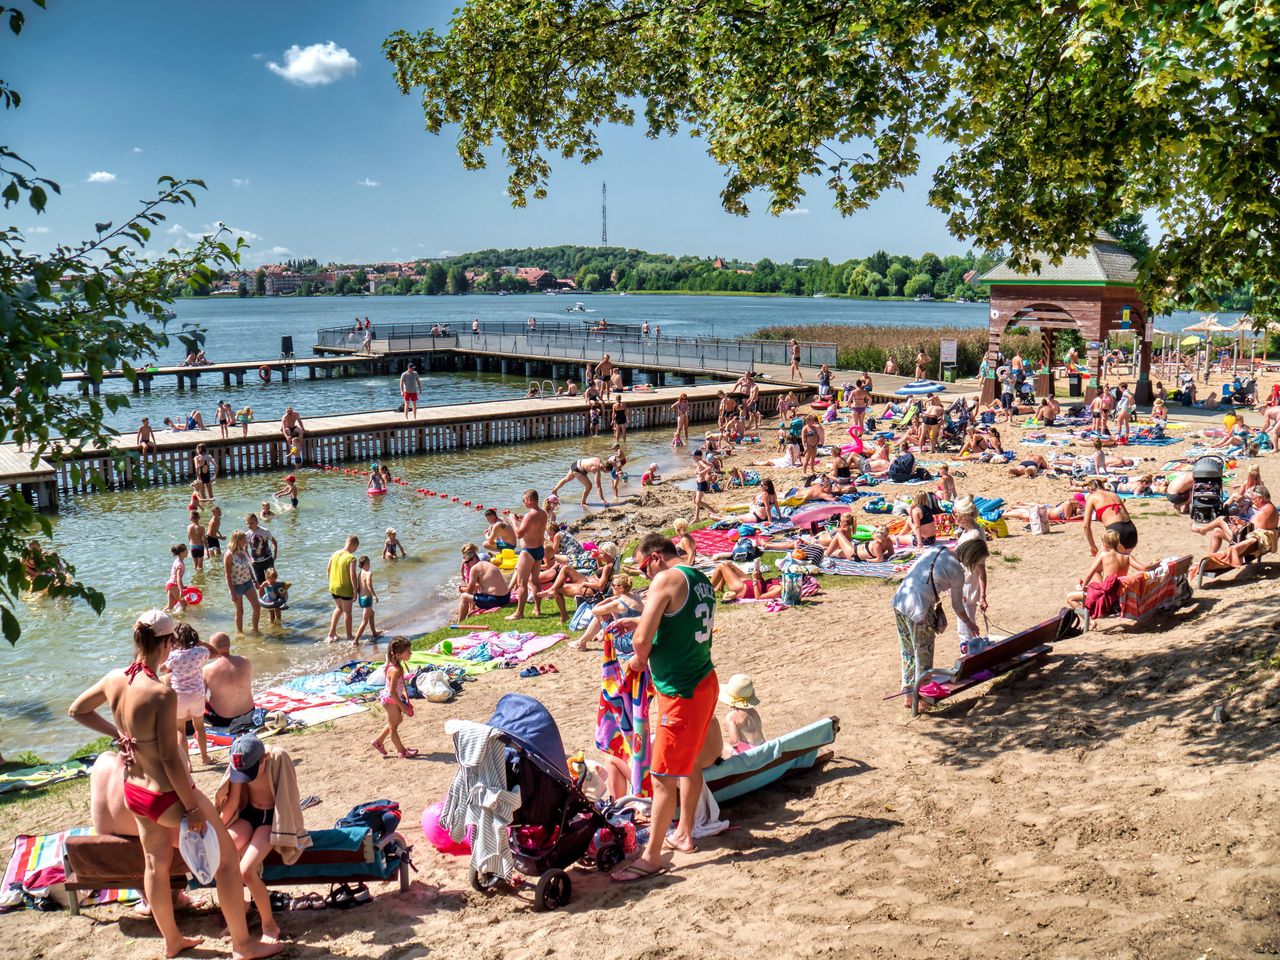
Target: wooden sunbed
{"points": [[996, 660], [110, 862], [1143, 596]]}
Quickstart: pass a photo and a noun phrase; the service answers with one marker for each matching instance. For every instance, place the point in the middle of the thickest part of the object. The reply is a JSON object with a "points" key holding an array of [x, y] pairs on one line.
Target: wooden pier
{"points": [[361, 437], [282, 368]]}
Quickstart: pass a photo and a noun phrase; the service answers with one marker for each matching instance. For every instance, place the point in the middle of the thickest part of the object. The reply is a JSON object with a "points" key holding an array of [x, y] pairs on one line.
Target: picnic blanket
{"points": [[711, 541], [484, 650], [336, 682], [30, 778], [35, 871], [622, 720]]}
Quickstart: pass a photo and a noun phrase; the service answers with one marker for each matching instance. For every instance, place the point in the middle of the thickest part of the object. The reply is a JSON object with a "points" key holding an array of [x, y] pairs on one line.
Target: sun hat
{"points": [[246, 754], [161, 623], [739, 692]]}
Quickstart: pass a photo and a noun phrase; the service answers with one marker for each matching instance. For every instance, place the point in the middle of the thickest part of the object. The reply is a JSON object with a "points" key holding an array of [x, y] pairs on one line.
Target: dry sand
{"points": [[1120, 800]]}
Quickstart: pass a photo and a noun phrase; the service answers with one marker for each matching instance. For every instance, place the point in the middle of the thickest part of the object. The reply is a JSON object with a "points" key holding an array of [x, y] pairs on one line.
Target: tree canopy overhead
{"points": [[1061, 117]]}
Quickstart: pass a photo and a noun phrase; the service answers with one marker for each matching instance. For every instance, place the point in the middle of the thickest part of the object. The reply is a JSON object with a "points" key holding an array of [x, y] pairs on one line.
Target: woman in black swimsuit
{"points": [[619, 421], [923, 527]]}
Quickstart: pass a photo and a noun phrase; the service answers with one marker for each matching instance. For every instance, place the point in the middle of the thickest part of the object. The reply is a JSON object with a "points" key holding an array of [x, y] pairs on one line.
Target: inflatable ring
{"points": [[375, 493], [820, 404], [192, 596], [264, 373]]}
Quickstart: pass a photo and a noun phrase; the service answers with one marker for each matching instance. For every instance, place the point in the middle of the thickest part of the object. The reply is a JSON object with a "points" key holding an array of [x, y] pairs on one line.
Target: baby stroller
{"points": [[1206, 489], [556, 824]]}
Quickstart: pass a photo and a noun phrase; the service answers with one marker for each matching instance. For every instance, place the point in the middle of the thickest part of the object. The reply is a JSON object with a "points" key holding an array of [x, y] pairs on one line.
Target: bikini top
{"points": [[1101, 511], [126, 743]]}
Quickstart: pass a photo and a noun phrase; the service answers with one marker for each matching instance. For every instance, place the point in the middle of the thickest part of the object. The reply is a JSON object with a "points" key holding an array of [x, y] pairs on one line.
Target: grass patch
{"points": [[1011, 559], [20, 761]]}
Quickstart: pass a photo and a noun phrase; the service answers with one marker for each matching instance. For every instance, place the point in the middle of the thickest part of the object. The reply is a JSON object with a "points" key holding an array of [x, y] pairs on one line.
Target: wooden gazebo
{"points": [[1094, 294]]}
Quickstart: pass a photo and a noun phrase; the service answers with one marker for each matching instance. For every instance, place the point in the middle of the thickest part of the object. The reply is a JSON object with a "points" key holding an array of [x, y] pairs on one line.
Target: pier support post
{"points": [[311, 372], [137, 385], [284, 373], [506, 365], [239, 378], [479, 364], [226, 378], [628, 376], [529, 368], [660, 378], [145, 379]]}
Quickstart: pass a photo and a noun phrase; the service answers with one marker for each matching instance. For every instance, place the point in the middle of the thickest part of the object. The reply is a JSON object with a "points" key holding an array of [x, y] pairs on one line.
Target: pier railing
{"points": [[584, 341]]}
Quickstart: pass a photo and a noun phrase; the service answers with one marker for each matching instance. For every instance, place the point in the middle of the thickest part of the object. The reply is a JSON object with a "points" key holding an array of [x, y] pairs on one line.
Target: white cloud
{"points": [[137, 149], [176, 229], [258, 56], [315, 65], [209, 229], [37, 230], [101, 176], [796, 212], [447, 253], [239, 182], [366, 182]]}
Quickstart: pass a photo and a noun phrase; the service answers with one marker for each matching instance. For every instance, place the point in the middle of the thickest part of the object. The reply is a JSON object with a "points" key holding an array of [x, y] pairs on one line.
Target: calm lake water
{"points": [[120, 541]]}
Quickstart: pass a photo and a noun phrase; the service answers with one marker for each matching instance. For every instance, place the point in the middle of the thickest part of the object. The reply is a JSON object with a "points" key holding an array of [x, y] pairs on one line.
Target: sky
{"points": [[288, 111]]}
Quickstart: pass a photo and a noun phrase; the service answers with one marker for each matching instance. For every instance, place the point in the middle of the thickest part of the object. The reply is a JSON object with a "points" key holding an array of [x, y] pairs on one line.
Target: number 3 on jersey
{"points": [[704, 615]]}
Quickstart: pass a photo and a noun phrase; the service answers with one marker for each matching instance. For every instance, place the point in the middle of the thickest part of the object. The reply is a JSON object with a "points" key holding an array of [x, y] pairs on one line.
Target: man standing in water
{"points": [[531, 532], [410, 387], [263, 548], [342, 586], [673, 639]]}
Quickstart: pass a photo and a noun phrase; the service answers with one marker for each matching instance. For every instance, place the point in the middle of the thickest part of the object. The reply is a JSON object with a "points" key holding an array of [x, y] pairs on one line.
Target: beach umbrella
{"points": [[1190, 341]]}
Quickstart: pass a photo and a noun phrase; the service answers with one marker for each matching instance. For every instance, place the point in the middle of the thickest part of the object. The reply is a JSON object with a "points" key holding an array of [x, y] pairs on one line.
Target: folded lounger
{"points": [[770, 761]]}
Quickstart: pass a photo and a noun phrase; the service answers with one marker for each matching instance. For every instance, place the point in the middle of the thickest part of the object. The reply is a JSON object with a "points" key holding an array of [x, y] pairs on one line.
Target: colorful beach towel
{"points": [[35, 870], [710, 541], [622, 720], [880, 570]]}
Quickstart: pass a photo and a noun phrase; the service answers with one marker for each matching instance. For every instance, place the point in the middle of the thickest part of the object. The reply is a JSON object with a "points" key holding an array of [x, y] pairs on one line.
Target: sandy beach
{"points": [[1120, 799]]}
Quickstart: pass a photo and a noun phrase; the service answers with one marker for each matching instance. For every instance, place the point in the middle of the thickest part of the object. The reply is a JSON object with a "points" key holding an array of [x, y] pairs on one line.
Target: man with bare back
{"points": [[531, 532]]}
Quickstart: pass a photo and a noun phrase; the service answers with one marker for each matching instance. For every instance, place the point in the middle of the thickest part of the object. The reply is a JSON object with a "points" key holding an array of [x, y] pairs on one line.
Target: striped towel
{"points": [[479, 798], [882, 570], [35, 869], [622, 720]]}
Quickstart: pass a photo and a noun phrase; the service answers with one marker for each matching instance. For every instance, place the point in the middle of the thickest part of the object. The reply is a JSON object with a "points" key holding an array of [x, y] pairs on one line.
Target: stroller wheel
{"points": [[608, 857], [484, 882], [554, 890]]}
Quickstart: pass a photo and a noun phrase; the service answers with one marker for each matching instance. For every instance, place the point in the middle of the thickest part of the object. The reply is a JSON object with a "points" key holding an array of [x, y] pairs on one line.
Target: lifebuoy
{"points": [[264, 373]]}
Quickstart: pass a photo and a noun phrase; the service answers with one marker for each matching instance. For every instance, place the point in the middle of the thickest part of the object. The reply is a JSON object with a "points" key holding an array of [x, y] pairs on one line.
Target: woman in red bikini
{"points": [[1109, 510], [158, 790]]}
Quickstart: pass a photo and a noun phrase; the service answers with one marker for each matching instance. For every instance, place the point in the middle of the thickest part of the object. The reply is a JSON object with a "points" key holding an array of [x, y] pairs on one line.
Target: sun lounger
{"points": [[996, 660], [770, 761], [96, 862], [1145, 594]]}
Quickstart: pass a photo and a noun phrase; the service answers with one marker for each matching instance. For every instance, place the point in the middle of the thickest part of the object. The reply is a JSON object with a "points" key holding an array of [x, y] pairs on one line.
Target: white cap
{"points": [[161, 623]]}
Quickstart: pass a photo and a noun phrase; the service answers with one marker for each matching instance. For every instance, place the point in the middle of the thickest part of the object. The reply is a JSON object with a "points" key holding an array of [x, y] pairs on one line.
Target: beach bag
{"points": [[792, 581], [381, 817], [903, 467], [1038, 519], [435, 687], [746, 550]]}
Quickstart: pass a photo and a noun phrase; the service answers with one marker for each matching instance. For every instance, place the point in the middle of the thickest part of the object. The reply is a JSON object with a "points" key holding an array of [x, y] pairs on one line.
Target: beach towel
{"points": [[31, 778], [1152, 441], [337, 682], [287, 701], [711, 541], [622, 720], [35, 870], [880, 570]]}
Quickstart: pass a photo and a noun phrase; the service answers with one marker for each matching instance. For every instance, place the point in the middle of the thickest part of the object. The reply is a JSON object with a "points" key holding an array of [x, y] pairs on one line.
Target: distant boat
{"points": [[170, 315], [552, 293], [622, 293], [819, 296], [578, 307], [923, 298]]}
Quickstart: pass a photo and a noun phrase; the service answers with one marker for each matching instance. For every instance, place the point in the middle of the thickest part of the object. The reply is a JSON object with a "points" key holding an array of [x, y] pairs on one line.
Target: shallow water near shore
{"points": [[119, 542]]}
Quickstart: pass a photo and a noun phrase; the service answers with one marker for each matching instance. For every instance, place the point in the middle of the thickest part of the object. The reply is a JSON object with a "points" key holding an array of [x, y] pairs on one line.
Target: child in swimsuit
{"points": [[290, 490], [273, 594], [174, 587], [366, 596], [265, 513], [391, 547], [213, 536], [395, 699], [376, 484]]}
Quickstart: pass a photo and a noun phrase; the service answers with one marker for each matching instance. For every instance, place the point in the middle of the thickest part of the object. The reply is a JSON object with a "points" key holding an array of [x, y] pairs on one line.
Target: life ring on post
{"points": [[264, 373]]}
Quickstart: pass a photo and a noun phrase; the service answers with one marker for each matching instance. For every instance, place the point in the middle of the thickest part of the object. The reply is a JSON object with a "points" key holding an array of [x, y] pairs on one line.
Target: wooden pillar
{"points": [[1093, 363], [1142, 392], [989, 385]]}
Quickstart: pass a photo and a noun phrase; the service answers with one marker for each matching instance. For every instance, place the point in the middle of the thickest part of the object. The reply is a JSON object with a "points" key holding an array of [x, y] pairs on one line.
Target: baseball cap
{"points": [[161, 623], [246, 754]]}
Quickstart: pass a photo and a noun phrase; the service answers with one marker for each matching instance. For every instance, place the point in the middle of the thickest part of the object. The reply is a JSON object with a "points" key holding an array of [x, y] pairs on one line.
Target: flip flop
{"points": [[308, 802], [667, 842], [309, 901], [548, 668], [633, 872]]}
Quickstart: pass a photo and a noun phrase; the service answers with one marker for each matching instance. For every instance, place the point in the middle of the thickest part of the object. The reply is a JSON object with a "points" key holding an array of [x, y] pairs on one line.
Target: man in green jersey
{"points": [[673, 639]]}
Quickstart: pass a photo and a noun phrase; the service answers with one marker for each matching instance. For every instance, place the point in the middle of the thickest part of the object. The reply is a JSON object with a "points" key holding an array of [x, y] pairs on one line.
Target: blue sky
{"points": [[116, 94]]}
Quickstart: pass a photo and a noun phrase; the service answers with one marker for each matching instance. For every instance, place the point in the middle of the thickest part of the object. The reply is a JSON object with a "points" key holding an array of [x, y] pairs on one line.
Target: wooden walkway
{"points": [[278, 368], [360, 437]]}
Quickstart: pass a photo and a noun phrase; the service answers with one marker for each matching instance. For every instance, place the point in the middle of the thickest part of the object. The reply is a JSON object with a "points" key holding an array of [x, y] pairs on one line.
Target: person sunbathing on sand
{"points": [[843, 544], [742, 726], [737, 586], [820, 489], [1068, 509], [1030, 467]]}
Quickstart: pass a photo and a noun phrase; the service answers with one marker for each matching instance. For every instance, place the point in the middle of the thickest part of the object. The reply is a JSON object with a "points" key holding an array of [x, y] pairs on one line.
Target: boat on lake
{"points": [[578, 307]]}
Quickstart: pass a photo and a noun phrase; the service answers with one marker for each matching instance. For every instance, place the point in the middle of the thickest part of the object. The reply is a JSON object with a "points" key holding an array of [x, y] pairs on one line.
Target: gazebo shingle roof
{"points": [[1103, 262]]}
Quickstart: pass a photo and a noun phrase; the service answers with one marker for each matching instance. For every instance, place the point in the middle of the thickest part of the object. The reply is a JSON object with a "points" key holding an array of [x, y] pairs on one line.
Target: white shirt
{"points": [[919, 593]]}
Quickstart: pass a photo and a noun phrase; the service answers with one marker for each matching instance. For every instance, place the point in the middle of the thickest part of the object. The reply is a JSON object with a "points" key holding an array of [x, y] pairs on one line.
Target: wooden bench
{"points": [[1142, 595], [110, 862], [996, 660]]}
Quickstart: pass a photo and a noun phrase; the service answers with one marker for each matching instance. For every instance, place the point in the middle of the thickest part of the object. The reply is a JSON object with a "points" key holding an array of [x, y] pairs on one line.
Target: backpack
{"points": [[381, 817], [903, 467], [746, 549]]}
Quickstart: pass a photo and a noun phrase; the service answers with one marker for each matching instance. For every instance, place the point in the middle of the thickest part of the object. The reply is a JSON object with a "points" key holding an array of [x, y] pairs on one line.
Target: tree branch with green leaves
{"points": [[1060, 118]]}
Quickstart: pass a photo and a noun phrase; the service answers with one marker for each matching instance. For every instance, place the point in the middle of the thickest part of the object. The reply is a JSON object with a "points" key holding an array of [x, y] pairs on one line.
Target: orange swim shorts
{"points": [[682, 728]]}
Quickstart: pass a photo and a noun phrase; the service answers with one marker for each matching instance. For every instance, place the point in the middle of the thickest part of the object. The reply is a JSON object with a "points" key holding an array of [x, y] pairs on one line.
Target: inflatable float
{"points": [[814, 515], [918, 388]]}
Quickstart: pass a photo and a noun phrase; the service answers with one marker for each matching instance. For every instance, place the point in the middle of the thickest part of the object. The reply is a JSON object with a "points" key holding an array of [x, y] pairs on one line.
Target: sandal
{"points": [[341, 897], [280, 900], [361, 895], [309, 901], [308, 802], [408, 753], [549, 668], [381, 748], [529, 672]]}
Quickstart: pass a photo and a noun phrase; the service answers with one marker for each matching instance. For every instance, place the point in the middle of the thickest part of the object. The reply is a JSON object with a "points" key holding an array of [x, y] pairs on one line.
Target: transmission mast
{"points": [[604, 214]]}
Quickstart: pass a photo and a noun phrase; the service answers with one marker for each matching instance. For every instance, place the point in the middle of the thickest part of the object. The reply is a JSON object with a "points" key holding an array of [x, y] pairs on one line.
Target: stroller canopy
{"points": [[527, 721]]}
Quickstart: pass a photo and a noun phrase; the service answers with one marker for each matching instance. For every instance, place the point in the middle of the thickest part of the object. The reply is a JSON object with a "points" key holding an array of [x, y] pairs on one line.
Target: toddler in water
{"points": [[184, 667], [174, 587], [742, 727], [265, 513], [650, 476], [376, 483], [395, 699], [274, 594], [391, 547]]}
